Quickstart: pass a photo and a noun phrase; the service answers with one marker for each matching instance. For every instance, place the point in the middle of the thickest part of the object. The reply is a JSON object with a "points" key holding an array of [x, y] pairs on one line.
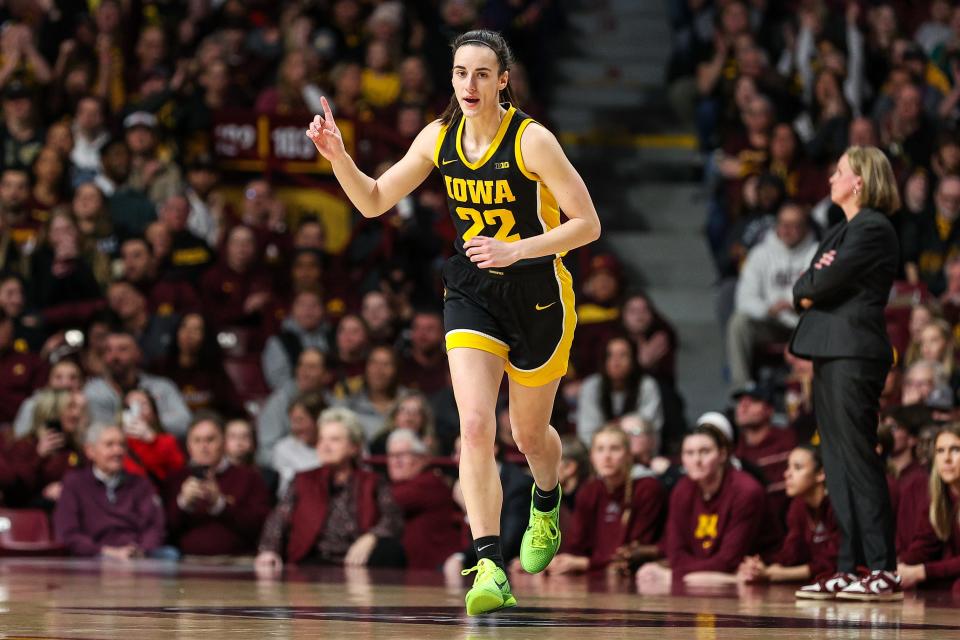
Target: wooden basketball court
{"points": [[147, 600]]}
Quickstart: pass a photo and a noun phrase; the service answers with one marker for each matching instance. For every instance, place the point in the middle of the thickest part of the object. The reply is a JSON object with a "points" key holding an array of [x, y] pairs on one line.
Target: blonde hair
{"points": [[49, 404], [879, 184], [946, 332], [350, 422], [941, 511], [621, 435]]}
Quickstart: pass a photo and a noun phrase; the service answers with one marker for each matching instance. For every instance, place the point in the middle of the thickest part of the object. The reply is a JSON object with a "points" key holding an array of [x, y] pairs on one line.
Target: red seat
{"points": [[26, 532]]}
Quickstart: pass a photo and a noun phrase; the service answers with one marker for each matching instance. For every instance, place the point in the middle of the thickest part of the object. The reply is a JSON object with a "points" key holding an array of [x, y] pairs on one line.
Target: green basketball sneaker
{"points": [[490, 590], [541, 539]]}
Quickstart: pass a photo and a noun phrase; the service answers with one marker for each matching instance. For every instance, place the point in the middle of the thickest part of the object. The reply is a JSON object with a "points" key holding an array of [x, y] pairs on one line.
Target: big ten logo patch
{"points": [[707, 529]]}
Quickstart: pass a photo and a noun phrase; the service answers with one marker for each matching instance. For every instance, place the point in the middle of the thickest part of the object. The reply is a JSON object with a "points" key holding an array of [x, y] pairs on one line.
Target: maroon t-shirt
{"points": [[714, 534], [813, 537], [598, 528]]}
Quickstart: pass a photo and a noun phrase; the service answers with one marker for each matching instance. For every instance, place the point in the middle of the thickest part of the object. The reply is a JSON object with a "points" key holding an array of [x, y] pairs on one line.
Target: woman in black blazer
{"points": [[842, 329]]}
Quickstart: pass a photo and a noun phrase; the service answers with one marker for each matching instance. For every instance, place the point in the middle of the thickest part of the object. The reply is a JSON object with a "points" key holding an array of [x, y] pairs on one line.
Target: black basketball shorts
{"points": [[526, 316]]}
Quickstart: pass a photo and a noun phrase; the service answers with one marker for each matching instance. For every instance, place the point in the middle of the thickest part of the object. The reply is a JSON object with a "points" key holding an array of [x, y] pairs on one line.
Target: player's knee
{"points": [[529, 441], [476, 430]]}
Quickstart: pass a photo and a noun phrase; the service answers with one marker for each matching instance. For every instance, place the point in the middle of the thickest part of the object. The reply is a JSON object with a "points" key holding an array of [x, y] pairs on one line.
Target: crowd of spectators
{"points": [[187, 373], [779, 91]]}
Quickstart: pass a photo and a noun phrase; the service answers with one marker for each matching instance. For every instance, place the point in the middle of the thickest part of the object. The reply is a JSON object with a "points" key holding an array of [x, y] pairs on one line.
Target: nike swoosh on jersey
{"points": [[539, 308], [446, 162]]}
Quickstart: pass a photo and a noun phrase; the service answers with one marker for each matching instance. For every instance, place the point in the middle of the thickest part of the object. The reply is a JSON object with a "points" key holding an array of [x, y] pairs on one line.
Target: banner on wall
{"points": [[250, 142]]}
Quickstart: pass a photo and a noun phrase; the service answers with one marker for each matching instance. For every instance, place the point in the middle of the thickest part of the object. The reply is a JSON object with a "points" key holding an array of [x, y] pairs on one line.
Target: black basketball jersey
{"points": [[495, 196]]}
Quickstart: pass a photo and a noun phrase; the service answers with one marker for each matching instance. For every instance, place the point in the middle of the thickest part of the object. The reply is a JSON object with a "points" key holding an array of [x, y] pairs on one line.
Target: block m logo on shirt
{"points": [[707, 529]]}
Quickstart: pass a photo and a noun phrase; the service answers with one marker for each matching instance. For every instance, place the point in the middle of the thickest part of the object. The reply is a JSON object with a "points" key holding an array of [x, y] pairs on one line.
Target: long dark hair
{"points": [[634, 376], [496, 43], [209, 356]]}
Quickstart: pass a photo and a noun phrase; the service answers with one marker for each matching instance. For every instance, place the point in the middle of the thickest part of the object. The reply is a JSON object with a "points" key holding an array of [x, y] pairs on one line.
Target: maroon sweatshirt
{"points": [[770, 455], [35, 472], [431, 520], [940, 558], [714, 534], [223, 292], [912, 492], [166, 297], [235, 530], [597, 528], [20, 375], [86, 520], [813, 537]]}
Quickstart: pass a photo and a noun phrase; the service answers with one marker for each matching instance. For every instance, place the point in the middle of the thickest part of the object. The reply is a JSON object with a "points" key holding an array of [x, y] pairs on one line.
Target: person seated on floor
{"points": [[644, 448], [574, 472], [616, 519], [53, 446], [104, 511], [411, 411], [761, 443], [212, 506], [337, 514], [933, 556], [151, 452], [811, 543], [297, 451], [715, 513], [431, 519]]}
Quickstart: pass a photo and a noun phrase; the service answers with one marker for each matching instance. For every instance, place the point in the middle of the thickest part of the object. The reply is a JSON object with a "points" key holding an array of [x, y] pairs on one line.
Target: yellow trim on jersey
{"points": [[519, 154], [556, 366], [459, 338], [502, 131], [549, 209], [436, 147]]}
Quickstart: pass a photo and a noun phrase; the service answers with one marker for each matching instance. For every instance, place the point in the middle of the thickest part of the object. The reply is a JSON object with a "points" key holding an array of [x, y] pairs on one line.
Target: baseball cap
{"points": [[140, 119], [755, 390]]}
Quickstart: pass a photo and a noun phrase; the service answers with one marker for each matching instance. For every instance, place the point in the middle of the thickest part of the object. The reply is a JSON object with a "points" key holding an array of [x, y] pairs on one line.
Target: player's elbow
{"points": [[594, 230]]}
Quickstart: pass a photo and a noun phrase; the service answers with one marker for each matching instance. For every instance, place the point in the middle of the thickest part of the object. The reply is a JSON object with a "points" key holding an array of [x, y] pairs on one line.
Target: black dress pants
{"points": [[846, 396]]}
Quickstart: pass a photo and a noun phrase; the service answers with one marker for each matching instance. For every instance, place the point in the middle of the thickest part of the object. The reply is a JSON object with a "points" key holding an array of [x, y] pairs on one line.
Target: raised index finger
{"points": [[327, 114]]}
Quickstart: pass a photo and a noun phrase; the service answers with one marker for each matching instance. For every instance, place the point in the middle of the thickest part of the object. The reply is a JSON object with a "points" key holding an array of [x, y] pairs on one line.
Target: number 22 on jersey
{"points": [[489, 217]]}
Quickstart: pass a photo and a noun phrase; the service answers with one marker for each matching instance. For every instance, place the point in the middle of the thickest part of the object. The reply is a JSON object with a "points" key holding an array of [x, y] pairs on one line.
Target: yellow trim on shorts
{"points": [[492, 149], [556, 366], [436, 147], [468, 338]]}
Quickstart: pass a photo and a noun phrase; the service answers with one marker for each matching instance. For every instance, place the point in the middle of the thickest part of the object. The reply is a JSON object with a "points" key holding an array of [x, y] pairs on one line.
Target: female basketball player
{"points": [[508, 302]]}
